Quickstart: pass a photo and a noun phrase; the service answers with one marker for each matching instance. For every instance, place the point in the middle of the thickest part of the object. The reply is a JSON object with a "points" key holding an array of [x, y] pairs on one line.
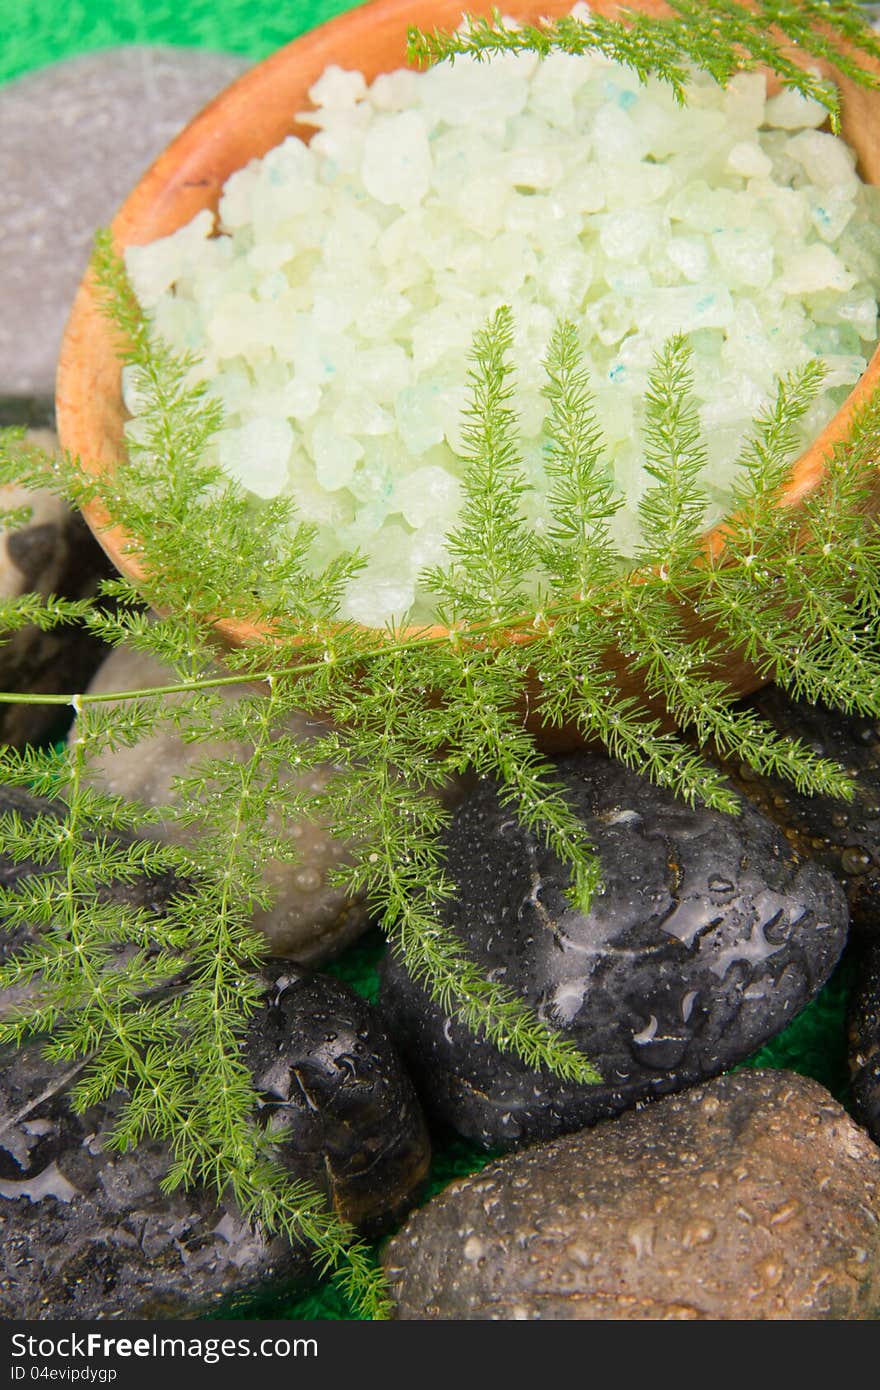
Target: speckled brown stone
{"points": [[76, 138], [308, 921], [752, 1197]]}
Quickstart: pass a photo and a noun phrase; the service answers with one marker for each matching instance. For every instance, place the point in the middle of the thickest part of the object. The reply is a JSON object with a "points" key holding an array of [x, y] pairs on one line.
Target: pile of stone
{"points": [[676, 1188]]}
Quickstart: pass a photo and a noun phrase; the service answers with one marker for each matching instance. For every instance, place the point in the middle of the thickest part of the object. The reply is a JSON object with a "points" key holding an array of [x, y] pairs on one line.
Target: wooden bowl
{"points": [[247, 120]]}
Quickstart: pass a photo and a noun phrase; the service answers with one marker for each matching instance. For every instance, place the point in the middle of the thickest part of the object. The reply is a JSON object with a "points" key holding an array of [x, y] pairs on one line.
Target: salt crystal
{"points": [[396, 163], [817, 268], [257, 455], [690, 255], [428, 494], [337, 88], [749, 160], [153, 269], [417, 418], [827, 161], [336, 456], [790, 110], [334, 313]]}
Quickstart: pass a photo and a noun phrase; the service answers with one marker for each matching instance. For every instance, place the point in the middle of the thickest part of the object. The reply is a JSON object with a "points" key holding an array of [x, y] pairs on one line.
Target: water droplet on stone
{"points": [[855, 860], [717, 884]]}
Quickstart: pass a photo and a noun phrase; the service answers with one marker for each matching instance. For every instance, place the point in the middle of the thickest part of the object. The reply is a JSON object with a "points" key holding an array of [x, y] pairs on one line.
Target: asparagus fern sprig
{"points": [[717, 37], [556, 632]]}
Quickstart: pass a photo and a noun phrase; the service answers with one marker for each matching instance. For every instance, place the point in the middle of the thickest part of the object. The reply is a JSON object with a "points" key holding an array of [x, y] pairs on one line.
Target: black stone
{"points": [[87, 1233], [864, 1037], [842, 836], [53, 553], [710, 935], [328, 1072], [33, 411]]}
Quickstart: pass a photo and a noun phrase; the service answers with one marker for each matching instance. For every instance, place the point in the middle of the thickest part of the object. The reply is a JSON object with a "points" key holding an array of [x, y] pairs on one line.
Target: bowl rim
{"points": [[165, 196]]}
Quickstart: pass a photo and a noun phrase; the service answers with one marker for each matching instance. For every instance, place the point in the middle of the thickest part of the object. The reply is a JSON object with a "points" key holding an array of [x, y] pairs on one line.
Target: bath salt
{"points": [[332, 300]]}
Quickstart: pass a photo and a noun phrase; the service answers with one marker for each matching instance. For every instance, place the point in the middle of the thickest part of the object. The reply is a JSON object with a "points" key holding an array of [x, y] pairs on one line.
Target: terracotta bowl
{"points": [[247, 120]]}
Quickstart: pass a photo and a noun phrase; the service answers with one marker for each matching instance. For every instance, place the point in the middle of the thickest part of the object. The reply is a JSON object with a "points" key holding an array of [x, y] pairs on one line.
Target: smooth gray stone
{"points": [[754, 1197], [74, 140]]}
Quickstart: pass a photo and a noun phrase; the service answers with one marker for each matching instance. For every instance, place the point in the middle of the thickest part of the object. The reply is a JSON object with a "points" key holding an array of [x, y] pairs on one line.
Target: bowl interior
{"points": [[247, 120]]}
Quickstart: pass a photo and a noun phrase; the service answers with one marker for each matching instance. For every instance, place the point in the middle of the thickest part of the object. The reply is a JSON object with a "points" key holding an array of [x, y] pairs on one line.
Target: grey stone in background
{"points": [[308, 921], [76, 137], [753, 1197], [709, 936], [53, 553]]}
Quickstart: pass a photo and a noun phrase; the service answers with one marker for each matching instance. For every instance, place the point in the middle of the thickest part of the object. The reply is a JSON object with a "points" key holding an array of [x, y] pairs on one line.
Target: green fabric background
{"points": [[38, 32]]}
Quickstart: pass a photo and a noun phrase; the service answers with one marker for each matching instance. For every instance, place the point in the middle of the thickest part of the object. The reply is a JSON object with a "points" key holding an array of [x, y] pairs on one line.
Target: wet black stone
{"points": [[710, 935], [328, 1071], [52, 553], [864, 1037], [87, 1233], [843, 837]]}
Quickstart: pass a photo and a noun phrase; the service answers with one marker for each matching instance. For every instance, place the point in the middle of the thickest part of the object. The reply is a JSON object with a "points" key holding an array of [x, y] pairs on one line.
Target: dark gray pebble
{"points": [[77, 136], [864, 1037], [842, 836], [88, 1233], [710, 935]]}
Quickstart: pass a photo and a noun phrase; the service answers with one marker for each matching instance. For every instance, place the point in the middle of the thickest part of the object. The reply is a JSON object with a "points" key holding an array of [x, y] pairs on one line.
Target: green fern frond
{"points": [[717, 37]]}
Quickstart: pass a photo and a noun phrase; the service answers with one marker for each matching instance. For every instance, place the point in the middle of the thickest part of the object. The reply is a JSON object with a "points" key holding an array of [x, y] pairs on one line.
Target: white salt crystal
{"points": [[336, 456], [153, 269], [792, 111], [417, 417], [817, 268], [394, 91], [744, 257], [396, 163], [257, 454], [827, 161], [338, 89], [616, 136], [427, 494], [744, 99], [749, 159], [690, 255], [625, 236]]}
